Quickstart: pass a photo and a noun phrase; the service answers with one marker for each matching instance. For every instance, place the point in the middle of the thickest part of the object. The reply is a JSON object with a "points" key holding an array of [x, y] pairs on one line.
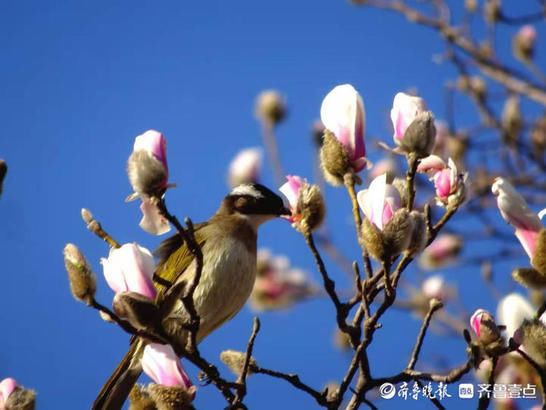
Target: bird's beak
{"points": [[284, 211]]}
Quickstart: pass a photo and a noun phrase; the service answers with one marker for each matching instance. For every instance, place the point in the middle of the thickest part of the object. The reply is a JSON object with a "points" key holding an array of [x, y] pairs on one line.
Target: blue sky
{"points": [[80, 80]]}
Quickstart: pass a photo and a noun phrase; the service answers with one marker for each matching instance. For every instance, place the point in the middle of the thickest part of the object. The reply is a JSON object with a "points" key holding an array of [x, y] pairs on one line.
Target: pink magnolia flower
{"points": [[148, 174], [7, 386], [517, 213], [447, 182], [404, 110], [130, 268], [161, 363], [291, 190], [278, 285], [245, 167], [379, 202], [342, 112], [441, 251]]}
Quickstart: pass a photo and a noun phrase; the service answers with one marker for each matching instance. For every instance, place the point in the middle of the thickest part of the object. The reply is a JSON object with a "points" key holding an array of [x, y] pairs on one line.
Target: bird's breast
{"points": [[226, 282]]}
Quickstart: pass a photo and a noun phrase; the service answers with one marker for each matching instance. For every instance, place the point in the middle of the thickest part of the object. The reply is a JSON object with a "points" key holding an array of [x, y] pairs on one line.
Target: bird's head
{"points": [[255, 202]]}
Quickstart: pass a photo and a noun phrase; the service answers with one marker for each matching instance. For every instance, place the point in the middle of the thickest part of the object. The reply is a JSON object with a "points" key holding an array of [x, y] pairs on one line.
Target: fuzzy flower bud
{"points": [[15, 397], [130, 268], [441, 251], [3, 172], [387, 228], [523, 43], [235, 361], [147, 165], [532, 335], [512, 120], [342, 113], [148, 174], [517, 213], [83, 283], [270, 107], [483, 324], [161, 364], [306, 203], [538, 138], [414, 129], [245, 167]]}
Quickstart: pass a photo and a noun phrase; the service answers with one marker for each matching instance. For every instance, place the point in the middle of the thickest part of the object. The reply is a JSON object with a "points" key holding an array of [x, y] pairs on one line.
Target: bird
{"points": [[228, 241]]}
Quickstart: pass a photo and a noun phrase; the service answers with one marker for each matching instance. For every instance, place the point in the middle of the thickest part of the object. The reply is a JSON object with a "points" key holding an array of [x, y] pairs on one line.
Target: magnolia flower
{"points": [[130, 268], [342, 113], [379, 202], [404, 110], [483, 324], [7, 386], [512, 310], [278, 285], [517, 213], [306, 203], [245, 167], [161, 363], [435, 287], [449, 184], [387, 166], [148, 174], [441, 251]]}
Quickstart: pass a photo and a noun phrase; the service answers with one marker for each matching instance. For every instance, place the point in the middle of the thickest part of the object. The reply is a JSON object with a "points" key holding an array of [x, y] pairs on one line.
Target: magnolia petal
{"points": [[431, 165], [113, 275], [376, 196], [291, 190], [155, 143], [364, 203], [161, 364], [404, 110], [542, 213], [7, 386], [528, 239], [152, 221], [512, 310]]}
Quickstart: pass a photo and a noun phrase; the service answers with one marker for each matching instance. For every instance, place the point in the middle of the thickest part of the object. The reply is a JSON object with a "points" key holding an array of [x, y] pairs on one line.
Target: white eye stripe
{"points": [[247, 190]]}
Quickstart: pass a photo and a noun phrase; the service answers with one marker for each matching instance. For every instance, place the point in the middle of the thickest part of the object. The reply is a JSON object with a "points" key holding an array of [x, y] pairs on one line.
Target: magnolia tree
{"points": [[401, 206]]}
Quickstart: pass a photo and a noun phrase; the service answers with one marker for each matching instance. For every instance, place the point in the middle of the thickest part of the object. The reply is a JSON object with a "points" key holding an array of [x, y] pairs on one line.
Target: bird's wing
{"points": [[175, 257]]}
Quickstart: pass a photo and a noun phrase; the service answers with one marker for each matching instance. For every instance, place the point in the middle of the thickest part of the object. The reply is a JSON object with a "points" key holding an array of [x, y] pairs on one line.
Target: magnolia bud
{"points": [[171, 397], [538, 138], [147, 165], [492, 11], [270, 107], [140, 399], [538, 261], [523, 43], [532, 335], [418, 239], [420, 135], [235, 361], [306, 203], [334, 160], [392, 240], [87, 216], [139, 310], [83, 283], [21, 399], [488, 333], [3, 172], [530, 278], [512, 121]]}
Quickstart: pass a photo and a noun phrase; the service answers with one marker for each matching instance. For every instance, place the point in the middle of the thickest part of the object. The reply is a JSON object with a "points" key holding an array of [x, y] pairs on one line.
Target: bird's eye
{"points": [[241, 203]]}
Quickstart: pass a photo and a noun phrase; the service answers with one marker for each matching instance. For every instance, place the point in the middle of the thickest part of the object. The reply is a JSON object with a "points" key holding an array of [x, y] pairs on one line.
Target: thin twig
{"points": [[241, 391], [434, 306]]}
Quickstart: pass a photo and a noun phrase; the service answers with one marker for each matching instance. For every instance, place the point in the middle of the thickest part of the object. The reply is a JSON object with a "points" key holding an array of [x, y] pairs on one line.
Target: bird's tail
{"points": [[117, 388]]}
